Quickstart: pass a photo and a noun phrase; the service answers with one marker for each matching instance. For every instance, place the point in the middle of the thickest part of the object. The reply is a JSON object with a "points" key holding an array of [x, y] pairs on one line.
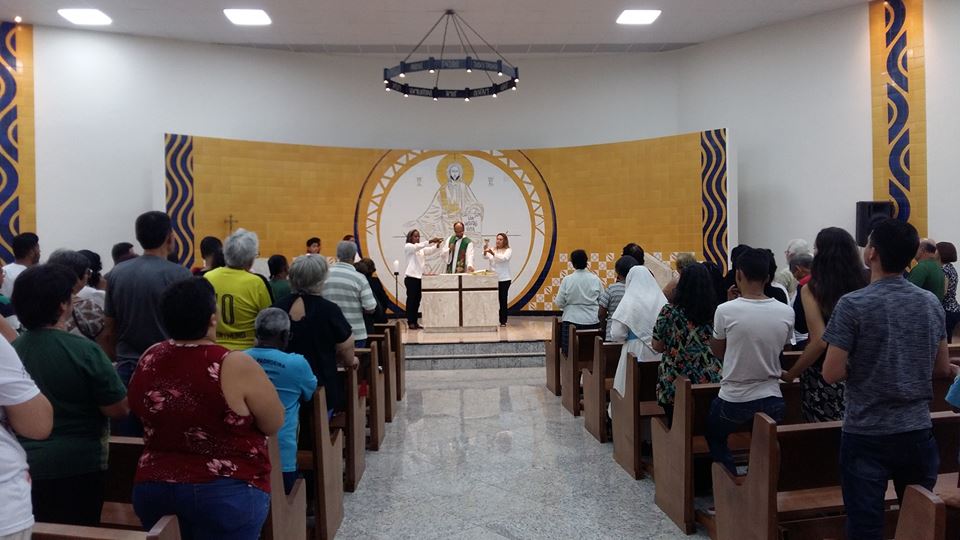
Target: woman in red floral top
{"points": [[206, 412]]}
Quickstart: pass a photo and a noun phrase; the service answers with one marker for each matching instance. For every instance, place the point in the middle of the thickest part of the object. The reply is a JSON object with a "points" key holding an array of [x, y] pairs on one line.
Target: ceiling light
{"points": [[85, 17], [638, 16], [18, 19], [248, 17], [397, 75]]}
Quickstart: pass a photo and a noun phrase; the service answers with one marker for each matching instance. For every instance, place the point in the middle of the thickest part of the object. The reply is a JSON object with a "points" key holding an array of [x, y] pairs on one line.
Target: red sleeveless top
{"points": [[190, 434]]}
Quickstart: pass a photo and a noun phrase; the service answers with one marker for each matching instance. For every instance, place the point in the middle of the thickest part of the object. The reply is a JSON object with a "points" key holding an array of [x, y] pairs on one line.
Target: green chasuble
{"points": [[457, 258]]}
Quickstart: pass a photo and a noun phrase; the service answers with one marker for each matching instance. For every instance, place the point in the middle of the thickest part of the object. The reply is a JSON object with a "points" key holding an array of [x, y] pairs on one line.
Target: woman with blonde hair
{"points": [[499, 258]]}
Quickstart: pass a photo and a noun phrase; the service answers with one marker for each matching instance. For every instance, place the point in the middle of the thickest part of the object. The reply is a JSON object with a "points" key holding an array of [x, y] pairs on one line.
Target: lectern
{"points": [[460, 303]]}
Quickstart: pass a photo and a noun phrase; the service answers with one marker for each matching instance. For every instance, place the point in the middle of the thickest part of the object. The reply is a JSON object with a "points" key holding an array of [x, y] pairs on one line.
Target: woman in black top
{"points": [[836, 271], [318, 329]]}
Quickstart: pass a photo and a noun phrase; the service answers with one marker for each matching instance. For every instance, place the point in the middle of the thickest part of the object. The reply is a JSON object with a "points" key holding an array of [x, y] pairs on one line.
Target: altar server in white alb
{"points": [[459, 250], [499, 258], [416, 253]]}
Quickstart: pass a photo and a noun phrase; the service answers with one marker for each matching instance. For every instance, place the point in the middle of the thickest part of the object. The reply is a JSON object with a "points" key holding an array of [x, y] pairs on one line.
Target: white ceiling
{"points": [[394, 26]]}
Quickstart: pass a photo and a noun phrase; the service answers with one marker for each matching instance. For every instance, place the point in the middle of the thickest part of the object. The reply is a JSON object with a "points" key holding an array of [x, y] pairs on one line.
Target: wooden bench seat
{"points": [[389, 364], [794, 476], [552, 358], [676, 449], [353, 423], [373, 375], [597, 382], [922, 516], [286, 520], [168, 528], [321, 452], [630, 412], [579, 357], [393, 329]]}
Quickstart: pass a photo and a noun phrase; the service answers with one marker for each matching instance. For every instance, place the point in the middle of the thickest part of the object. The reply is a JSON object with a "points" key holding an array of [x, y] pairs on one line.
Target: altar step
{"points": [[497, 354]]}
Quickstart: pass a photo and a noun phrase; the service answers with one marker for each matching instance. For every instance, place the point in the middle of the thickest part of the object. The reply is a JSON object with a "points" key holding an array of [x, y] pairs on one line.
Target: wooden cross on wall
{"points": [[230, 222]]}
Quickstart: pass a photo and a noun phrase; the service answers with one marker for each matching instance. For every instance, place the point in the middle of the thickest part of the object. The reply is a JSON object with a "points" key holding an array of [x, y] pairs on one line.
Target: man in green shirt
{"points": [[928, 274], [68, 468]]}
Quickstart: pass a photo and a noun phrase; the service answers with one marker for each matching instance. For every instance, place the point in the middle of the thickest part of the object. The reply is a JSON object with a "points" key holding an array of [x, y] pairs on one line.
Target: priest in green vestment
{"points": [[459, 252]]}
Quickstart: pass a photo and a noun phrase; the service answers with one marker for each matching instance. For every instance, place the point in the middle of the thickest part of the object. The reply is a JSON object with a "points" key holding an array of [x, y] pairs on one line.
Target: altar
{"points": [[460, 302]]}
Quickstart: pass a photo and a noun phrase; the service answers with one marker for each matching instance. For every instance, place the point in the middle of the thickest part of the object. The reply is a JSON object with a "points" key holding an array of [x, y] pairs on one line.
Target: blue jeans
{"points": [[129, 426], [868, 462], [727, 417], [222, 509]]}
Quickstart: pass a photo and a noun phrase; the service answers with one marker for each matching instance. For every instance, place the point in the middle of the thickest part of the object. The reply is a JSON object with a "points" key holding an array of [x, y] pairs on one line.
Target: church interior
{"points": [[479, 269]]}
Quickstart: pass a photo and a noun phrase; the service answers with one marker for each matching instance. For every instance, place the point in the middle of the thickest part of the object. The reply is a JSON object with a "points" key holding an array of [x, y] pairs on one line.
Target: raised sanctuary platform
{"points": [[519, 344]]}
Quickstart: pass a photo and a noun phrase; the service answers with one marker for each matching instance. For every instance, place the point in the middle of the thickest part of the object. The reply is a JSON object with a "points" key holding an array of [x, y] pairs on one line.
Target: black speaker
{"points": [[869, 213]]}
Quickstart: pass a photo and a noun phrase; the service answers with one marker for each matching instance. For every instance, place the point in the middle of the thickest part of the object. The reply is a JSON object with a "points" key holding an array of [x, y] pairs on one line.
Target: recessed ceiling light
{"points": [[638, 16], [85, 17], [248, 17], [18, 19]]}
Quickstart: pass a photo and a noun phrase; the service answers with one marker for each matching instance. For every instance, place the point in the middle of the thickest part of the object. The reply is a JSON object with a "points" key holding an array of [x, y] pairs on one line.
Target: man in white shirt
{"points": [[26, 253], [749, 333], [578, 297], [26, 412], [459, 251]]}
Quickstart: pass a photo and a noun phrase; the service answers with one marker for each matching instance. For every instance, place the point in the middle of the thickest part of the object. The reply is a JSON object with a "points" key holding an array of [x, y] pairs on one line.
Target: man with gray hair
{"points": [[290, 373], [796, 247], [350, 291], [241, 294], [928, 274]]}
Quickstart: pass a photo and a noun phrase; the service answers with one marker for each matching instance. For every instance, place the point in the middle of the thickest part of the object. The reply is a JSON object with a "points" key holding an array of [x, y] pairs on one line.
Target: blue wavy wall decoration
{"points": [[9, 142], [713, 176], [180, 194], [898, 107]]}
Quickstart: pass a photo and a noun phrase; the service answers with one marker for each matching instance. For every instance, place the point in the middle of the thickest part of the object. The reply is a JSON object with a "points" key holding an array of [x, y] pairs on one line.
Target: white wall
{"points": [[941, 28], [104, 102], [795, 96]]}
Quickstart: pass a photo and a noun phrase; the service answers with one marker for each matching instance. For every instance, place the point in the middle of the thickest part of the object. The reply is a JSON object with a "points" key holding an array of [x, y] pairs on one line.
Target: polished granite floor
{"points": [[491, 454], [525, 328]]}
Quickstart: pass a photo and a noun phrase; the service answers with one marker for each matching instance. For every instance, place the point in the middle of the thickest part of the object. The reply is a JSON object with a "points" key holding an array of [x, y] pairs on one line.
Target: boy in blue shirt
{"points": [[291, 375]]}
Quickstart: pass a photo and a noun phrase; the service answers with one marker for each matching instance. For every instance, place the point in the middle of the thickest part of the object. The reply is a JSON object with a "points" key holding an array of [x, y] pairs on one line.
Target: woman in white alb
{"points": [[634, 319], [416, 252], [499, 258]]}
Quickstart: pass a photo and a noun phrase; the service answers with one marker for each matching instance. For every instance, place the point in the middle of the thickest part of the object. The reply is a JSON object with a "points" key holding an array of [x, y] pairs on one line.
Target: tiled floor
{"points": [[491, 454]]}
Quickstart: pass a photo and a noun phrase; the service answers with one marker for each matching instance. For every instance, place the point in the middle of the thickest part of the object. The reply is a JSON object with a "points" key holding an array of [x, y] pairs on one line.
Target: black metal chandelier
{"points": [[501, 68]]}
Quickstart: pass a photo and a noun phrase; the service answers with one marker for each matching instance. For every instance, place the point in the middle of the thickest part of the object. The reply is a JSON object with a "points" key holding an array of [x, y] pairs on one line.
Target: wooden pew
{"points": [[168, 528], [597, 382], [394, 330], [675, 449], [792, 487], [376, 395], [923, 516], [552, 360], [579, 357], [353, 423], [122, 462], [321, 451], [288, 513], [388, 362], [630, 411]]}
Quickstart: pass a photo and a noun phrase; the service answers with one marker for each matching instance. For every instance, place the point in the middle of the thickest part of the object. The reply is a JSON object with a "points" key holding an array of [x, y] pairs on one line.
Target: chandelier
{"points": [[495, 70]]}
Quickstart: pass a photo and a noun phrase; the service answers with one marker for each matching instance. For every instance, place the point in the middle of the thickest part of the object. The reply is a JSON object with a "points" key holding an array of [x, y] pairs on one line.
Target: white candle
{"points": [[396, 265]]}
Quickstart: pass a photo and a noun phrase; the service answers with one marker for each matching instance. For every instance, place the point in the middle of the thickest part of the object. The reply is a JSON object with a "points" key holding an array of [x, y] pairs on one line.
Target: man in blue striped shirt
{"points": [[349, 290]]}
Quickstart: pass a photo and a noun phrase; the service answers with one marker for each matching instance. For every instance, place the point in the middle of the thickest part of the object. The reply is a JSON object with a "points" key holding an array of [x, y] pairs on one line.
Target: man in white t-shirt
{"points": [[26, 253], [749, 333], [26, 412]]}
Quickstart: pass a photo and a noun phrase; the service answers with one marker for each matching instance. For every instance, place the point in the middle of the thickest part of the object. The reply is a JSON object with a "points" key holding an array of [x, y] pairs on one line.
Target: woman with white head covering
{"points": [[634, 319]]}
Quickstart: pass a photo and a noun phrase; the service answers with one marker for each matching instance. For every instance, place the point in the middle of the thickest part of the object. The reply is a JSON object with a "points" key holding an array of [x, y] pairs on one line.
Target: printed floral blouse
{"points": [[686, 352], [190, 434]]}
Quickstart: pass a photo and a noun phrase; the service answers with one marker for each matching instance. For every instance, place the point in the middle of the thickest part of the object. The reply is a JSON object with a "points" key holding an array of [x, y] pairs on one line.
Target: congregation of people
{"points": [[206, 363], [203, 363], [872, 330]]}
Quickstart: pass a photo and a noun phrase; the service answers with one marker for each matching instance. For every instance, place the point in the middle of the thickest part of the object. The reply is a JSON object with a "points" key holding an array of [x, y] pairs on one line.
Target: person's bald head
{"points": [[926, 250]]}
